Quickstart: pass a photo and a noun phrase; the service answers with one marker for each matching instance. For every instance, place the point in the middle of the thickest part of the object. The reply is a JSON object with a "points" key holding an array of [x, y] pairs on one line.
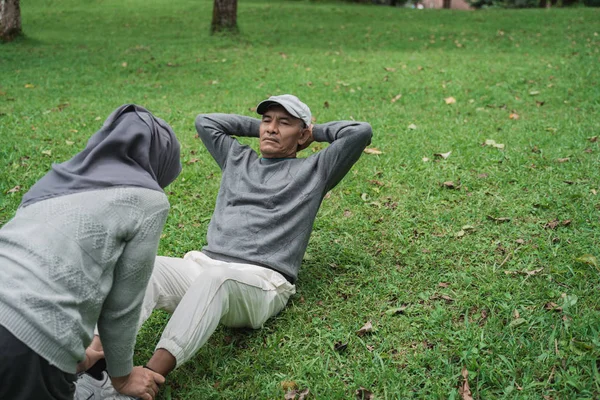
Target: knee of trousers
{"points": [[221, 276]]}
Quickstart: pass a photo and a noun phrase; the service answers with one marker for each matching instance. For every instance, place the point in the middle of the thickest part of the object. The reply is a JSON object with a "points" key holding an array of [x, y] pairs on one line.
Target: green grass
{"points": [[388, 235]]}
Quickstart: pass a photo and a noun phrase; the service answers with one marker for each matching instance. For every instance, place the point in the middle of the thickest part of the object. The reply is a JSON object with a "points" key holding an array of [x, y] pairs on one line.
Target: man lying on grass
{"points": [[260, 228]]}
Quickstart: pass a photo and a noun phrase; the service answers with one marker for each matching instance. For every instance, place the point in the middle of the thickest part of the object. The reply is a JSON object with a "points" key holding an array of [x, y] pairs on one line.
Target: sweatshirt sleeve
{"points": [[119, 318], [216, 131], [348, 140]]}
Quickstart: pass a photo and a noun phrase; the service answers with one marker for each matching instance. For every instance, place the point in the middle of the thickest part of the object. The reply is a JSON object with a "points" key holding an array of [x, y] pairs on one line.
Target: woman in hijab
{"points": [[79, 252]]}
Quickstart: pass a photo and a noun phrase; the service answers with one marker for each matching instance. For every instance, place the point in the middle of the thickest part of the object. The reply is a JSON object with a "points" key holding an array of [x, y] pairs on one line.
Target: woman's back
{"points": [[66, 255]]}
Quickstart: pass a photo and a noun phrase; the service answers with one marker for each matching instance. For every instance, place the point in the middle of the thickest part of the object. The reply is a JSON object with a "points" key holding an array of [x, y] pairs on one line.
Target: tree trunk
{"points": [[10, 19], [224, 16]]}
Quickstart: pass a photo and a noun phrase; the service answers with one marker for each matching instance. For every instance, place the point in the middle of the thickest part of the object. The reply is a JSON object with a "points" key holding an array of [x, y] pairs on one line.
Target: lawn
{"points": [[466, 264]]}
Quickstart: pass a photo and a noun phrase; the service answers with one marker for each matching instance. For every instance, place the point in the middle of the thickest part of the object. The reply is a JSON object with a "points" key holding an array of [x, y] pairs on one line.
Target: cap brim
{"points": [[264, 105]]}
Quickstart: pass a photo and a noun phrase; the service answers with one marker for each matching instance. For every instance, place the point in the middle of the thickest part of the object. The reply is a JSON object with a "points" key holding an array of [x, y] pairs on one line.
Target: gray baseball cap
{"points": [[291, 103]]}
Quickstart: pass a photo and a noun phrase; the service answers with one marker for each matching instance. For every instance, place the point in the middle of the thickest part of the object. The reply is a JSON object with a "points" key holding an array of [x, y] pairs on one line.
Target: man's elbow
{"points": [[366, 132], [201, 122]]}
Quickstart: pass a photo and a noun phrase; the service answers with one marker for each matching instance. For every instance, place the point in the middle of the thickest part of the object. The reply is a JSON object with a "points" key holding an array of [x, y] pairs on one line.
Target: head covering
{"points": [[292, 105], [133, 148]]}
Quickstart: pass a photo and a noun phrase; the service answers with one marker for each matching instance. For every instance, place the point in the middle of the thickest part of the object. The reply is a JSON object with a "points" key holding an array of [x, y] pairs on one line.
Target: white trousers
{"points": [[201, 293]]}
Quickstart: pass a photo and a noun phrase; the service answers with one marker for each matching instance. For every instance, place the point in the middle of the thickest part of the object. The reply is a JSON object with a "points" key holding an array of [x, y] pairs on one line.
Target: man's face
{"points": [[280, 133]]}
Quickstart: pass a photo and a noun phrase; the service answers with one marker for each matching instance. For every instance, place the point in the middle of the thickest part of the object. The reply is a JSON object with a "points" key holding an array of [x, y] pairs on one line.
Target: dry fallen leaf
{"points": [[425, 159], [14, 190], [513, 116], [593, 139], [283, 55], [396, 311], [289, 385], [516, 314], [69, 142], [520, 241], [534, 92], [347, 213], [484, 316], [443, 155], [47, 152], [364, 394], [552, 307], [450, 185], [412, 126], [372, 150], [450, 100], [464, 390], [448, 299], [498, 219], [588, 259], [492, 143], [302, 394], [533, 272], [396, 98], [291, 395], [29, 86], [390, 69], [193, 160], [554, 223], [443, 284], [562, 160], [368, 327], [339, 346], [124, 64], [517, 322]]}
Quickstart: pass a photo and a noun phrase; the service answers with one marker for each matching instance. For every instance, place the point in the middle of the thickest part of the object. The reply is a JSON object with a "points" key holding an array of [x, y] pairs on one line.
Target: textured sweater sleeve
{"points": [[348, 140], [120, 313], [216, 131]]}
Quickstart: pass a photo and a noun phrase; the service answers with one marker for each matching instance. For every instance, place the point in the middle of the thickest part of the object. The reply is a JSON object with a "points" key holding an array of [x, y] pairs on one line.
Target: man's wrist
{"points": [[119, 381]]}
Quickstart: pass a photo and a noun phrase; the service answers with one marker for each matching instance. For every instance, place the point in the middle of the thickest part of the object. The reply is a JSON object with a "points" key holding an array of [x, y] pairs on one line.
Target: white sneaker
{"points": [[89, 388], [110, 393]]}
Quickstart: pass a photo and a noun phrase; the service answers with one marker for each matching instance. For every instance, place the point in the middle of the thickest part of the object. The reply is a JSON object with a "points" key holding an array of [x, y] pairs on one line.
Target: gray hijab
{"points": [[133, 148]]}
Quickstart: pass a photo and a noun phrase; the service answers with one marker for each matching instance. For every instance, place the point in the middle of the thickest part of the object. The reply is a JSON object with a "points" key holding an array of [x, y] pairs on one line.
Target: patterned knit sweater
{"points": [[72, 261]]}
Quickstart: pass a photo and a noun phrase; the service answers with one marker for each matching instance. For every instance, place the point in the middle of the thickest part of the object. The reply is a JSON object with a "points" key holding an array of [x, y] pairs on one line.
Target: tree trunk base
{"points": [[224, 17], [10, 20], [224, 29], [10, 35]]}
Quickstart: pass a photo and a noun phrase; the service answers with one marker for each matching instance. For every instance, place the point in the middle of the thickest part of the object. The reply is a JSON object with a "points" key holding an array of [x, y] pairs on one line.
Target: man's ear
{"points": [[304, 136]]}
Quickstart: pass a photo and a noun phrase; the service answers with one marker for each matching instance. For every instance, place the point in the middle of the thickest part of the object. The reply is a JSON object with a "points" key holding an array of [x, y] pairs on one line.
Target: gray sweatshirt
{"points": [[74, 260], [265, 208]]}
